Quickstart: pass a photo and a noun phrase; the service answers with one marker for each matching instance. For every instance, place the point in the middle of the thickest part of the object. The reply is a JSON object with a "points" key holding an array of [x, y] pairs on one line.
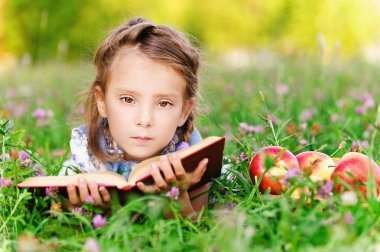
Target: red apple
{"points": [[354, 169], [317, 165], [278, 169]]}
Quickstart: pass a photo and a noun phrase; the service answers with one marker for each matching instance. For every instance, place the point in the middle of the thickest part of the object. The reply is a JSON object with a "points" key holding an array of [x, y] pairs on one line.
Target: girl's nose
{"points": [[144, 118]]}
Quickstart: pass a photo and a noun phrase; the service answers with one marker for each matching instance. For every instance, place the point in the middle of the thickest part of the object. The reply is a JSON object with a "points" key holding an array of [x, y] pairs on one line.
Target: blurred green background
{"points": [[43, 29]]}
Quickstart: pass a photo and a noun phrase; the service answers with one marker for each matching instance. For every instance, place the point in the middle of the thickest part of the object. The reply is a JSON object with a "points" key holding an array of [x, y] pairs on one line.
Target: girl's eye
{"points": [[127, 99], [163, 103]]}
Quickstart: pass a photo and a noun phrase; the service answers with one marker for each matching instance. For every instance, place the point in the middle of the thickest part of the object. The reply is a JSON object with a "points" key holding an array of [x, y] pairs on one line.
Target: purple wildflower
{"points": [[256, 129], [360, 110], [99, 221], [291, 174], [250, 128], [173, 193], [17, 110], [23, 156], [368, 101], [308, 114], [282, 89], [39, 113], [244, 127], [49, 113], [41, 122], [51, 191], [229, 89], [334, 118], [6, 182], [363, 144], [91, 245], [348, 218], [182, 145], [5, 156], [303, 126], [272, 118], [89, 199], [243, 156], [326, 190], [78, 210]]}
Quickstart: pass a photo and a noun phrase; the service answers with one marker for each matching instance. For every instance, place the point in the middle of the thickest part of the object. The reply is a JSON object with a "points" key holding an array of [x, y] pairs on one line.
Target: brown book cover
{"points": [[211, 147]]}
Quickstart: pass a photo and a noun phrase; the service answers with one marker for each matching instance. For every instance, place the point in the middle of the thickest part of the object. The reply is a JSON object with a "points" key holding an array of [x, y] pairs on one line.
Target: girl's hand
{"points": [[173, 172], [101, 196]]}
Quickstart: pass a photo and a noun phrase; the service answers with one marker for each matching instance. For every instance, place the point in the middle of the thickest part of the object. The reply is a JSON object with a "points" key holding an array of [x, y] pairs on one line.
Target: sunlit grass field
{"points": [[298, 103]]}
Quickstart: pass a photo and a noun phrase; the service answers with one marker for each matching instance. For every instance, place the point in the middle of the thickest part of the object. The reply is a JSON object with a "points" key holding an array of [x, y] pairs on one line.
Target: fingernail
{"points": [[174, 156], [206, 161], [81, 180], [163, 158], [154, 166]]}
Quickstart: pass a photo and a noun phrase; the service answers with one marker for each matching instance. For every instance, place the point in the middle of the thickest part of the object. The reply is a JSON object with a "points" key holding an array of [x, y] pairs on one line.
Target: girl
{"points": [[141, 104]]}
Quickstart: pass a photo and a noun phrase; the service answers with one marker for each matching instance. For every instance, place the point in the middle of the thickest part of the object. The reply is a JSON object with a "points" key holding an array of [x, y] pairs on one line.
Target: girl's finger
{"points": [[180, 172], [73, 195], [83, 188], [147, 188], [198, 172], [94, 191], [158, 179], [106, 196], [167, 170]]}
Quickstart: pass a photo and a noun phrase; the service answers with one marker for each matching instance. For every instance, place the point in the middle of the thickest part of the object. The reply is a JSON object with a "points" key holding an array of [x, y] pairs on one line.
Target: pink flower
{"points": [[243, 156], [282, 89], [334, 118], [326, 190], [23, 156], [363, 144], [39, 113], [6, 182], [303, 126], [89, 199], [291, 174], [173, 193], [51, 191], [244, 127], [348, 218], [5, 156], [360, 110], [17, 110], [308, 114], [182, 145], [368, 101], [256, 129], [78, 210], [49, 113], [91, 245], [99, 221], [229, 89], [250, 128]]}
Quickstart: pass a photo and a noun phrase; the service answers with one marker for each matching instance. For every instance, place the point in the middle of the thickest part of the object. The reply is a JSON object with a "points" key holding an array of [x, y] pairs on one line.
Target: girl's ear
{"points": [[99, 97], [186, 110]]}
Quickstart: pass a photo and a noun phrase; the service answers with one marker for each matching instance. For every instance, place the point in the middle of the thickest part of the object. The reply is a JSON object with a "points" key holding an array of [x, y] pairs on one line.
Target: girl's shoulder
{"points": [[79, 133], [81, 157], [195, 137]]}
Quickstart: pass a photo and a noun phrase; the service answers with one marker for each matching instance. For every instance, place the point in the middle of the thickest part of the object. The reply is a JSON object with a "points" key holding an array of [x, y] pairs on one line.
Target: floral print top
{"points": [[82, 160]]}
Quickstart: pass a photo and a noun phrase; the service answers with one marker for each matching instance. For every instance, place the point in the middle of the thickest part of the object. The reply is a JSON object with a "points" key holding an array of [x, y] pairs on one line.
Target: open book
{"points": [[211, 148]]}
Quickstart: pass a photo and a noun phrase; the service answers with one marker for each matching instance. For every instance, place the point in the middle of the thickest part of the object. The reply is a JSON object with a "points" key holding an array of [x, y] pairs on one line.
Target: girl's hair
{"points": [[159, 43]]}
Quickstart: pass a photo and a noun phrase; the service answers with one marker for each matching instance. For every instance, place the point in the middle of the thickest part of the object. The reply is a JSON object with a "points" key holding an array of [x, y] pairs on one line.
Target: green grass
{"points": [[239, 218]]}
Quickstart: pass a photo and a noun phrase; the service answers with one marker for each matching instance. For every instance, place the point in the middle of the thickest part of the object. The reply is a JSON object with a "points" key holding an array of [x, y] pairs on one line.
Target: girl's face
{"points": [[144, 104]]}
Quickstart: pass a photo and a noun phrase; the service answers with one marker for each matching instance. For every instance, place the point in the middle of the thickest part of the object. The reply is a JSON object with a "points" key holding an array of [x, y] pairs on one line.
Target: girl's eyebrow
{"points": [[170, 95]]}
